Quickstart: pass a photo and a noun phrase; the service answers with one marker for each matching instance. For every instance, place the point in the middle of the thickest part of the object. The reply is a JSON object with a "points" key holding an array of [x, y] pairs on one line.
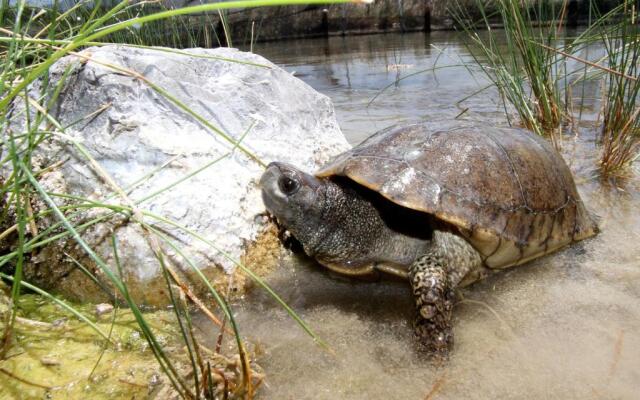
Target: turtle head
{"points": [[337, 223], [295, 198]]}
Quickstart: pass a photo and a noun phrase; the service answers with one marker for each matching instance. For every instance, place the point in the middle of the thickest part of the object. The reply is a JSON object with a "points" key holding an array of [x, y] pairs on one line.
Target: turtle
{"points": [[440, 204]]}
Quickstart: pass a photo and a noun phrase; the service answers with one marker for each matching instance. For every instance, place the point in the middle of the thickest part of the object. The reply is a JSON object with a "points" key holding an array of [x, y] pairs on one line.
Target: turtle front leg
{"points": [[434, 301], [434, 276]]}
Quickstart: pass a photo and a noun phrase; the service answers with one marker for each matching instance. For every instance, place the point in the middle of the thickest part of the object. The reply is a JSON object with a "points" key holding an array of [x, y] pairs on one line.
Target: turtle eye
{"points": [[288, 185]]}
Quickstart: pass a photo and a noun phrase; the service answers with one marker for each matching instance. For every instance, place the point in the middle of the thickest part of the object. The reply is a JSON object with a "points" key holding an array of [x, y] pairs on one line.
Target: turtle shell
{"points": [[507, 190]]}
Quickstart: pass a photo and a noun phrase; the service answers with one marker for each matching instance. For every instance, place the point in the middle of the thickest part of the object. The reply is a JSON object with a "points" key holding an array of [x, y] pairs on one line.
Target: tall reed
{"points": [[521, 69], [620, 131]]}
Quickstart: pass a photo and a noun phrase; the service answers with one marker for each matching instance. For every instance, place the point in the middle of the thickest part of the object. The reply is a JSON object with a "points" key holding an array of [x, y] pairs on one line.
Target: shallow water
{"points": [[564, 326]]}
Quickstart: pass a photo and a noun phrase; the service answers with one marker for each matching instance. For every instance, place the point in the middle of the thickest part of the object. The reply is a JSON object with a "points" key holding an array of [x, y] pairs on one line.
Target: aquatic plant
{"points": [[617, 73], [620, 130], [527, 63], [521, 69]]}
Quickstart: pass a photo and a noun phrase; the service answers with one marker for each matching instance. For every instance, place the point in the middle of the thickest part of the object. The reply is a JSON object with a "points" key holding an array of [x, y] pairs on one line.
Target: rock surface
{"points": [[112, 104]]}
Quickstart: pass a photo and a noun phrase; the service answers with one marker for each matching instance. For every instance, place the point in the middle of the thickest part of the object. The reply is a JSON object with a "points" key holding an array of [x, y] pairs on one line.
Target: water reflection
{"points": [[355, 70]]}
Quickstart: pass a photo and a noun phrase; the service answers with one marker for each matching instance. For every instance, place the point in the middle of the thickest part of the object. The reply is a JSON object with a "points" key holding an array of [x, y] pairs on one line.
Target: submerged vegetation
{"points": [[66, 358]]}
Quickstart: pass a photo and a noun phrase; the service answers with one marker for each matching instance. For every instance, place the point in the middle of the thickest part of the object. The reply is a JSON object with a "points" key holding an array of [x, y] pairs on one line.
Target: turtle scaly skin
{"points": [[433, 277], [434, 300]]}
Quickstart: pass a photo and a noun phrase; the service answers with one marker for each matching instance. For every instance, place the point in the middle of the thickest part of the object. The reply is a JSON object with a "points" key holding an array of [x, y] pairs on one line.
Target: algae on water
{"points": [[55, 356]]}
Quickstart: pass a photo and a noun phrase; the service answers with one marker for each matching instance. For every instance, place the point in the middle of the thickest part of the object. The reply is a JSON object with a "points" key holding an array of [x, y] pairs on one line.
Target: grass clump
{"points": [[521, 69], [620, 130], [527, 62]]}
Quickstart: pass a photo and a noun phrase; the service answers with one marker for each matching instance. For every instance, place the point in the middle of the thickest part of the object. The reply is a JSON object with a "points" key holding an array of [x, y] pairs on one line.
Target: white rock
{"points": [[141, 130]]}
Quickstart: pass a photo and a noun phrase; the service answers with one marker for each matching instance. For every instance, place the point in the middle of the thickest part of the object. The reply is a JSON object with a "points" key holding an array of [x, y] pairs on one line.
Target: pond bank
{"points": [[382, 16]]}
